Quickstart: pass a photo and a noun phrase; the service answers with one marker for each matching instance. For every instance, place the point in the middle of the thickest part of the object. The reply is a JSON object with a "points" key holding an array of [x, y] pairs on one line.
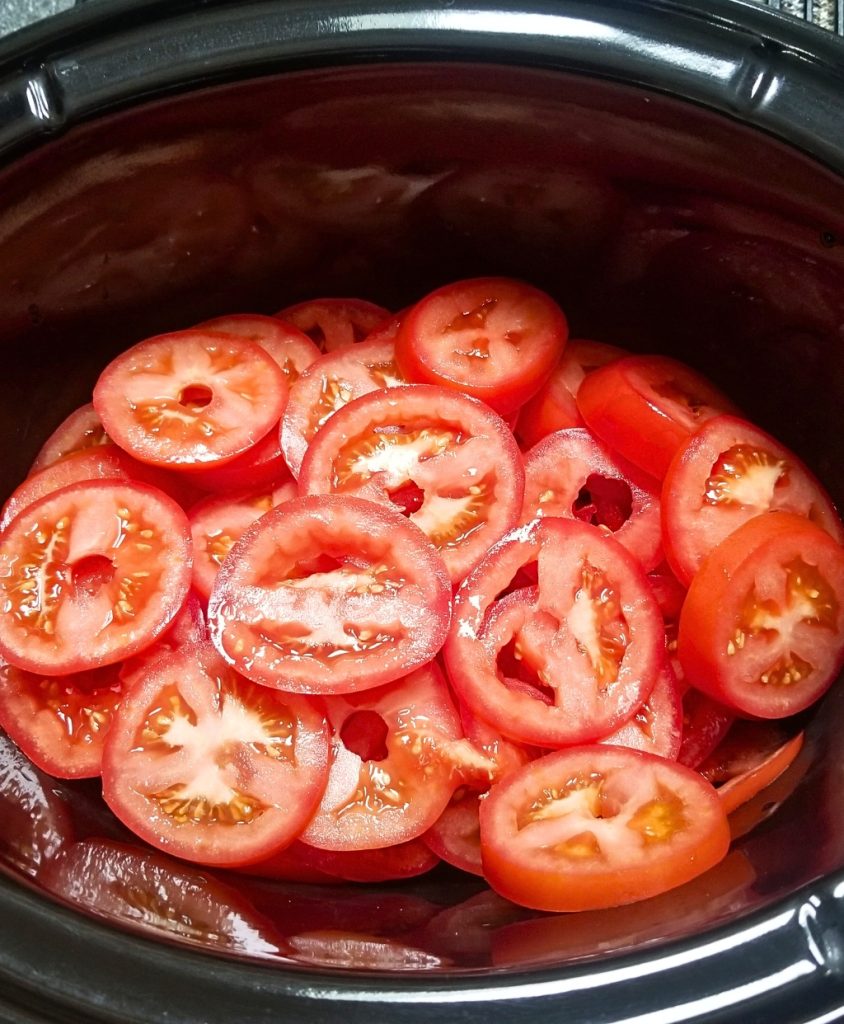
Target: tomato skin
{"points": [[761, 628], [456, 835], [506, 363], [705, 723], [523, 848], [291, 349], [727, 472], [332, 323], [657, 727], [80, 430], [646, 407]]}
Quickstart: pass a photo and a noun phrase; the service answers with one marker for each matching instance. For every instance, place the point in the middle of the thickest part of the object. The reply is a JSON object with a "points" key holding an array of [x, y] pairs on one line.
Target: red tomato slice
{"points": [[143, 889], [493, 338], [210, 767], [262, 465], [599, 826], [591, 641], [82, 429], [216, 523], [289, 347], [728, 472], [389, 863], [762, 628], [443, 459], [60, 722], [554, 406], [657, 726], [455, 836], [188, 628], [572, 475], [329, 384], [91, 574], [190, 399], [330, 594], [388, 781], [333, 324], [705, 723], [646, 407]]}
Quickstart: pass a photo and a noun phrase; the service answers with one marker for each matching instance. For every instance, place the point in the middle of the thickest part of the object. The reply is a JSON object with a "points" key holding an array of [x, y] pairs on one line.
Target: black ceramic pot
{"points": [[673, 175]]}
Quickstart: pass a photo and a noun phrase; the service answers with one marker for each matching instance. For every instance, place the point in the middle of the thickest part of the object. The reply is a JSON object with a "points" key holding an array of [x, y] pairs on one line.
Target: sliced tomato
{"points": [[493, 338], [262, 465], [82, 429], [333, 324], [389, 780], [646, 407], [330, 594], [657, 725], [444, 460], [572, 475], [204, 764], [727, 472], [384, 864], [599, 826], [91, 574], [291, 348], [217, 522], [705, 723], [327, 385], [455, 836], [142, 889], [762, 627], [190, 399], [188, 629], [590, 643], [554, 406]]}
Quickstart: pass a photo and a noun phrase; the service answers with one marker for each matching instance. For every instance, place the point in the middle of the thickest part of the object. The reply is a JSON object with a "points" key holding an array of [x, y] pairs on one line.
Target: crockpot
{"points": [[671, 173]]}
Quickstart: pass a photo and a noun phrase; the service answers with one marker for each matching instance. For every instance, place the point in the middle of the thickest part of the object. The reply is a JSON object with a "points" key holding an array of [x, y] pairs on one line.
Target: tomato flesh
{"points": [[82, 429], [333, 324]]}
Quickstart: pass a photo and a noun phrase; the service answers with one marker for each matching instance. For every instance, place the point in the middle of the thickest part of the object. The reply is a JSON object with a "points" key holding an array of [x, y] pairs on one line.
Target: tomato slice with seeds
{"points": [[327, 385], [82, 429], [388, 781], [204, 764], [442, 458], [762, 627], [646, 407], [572, 475], [493, 338], [657, 725], [291, 348], [728, 472], [217, 522], [189, 399], [599, 826], [333, 324], [590, 642], [330, 594], [91, 574]]}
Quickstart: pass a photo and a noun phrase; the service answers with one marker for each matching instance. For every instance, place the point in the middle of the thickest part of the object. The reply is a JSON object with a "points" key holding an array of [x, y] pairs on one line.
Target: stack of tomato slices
{"points": [[341, 593]]}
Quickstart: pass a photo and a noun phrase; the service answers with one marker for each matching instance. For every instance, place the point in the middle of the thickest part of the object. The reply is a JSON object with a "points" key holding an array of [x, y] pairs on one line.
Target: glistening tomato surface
{"points": [[330, 594], [492, 337], [82, 429], [204, 764], [91, 574], [445, 460], [599, 826], [335, 323], [762, 627], [291, 348]]}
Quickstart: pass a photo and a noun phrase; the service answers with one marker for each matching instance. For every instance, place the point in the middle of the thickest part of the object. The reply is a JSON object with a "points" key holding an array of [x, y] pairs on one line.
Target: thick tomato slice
{"points": [[190, 399], [91, 574], [762, 627], [646, 407], [204, 764], [330, 594], [589, 643], [554, 406], [444, 460], [332, 324], [657, 726], [493, 338], [291, 348], [217, 522], [82, 429], [388, 781], [330, 383], [728, 472], [60, 722], [573, 475], [599, 826]]}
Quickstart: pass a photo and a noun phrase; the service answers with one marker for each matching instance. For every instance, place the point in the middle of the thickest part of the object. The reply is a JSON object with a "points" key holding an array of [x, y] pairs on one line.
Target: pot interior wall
{"points": [[657, 225]]}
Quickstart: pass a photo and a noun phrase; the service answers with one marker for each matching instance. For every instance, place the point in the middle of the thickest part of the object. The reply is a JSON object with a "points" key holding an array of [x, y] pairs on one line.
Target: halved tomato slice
{"points": [[333, 324], [492, 337], [762, 627], [330, 594], [728, 472], [443, 459], [91, 574], [202, 763], [599, 826], [191, 398], [291, 348], [82, 429]]}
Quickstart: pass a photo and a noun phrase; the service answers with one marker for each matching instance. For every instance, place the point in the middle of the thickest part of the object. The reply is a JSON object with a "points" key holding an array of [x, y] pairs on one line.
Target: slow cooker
{"points": [[671, 173]]}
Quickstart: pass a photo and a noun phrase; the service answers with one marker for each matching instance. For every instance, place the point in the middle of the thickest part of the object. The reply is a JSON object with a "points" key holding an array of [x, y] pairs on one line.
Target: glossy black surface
{"points": [[659, 224]]}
